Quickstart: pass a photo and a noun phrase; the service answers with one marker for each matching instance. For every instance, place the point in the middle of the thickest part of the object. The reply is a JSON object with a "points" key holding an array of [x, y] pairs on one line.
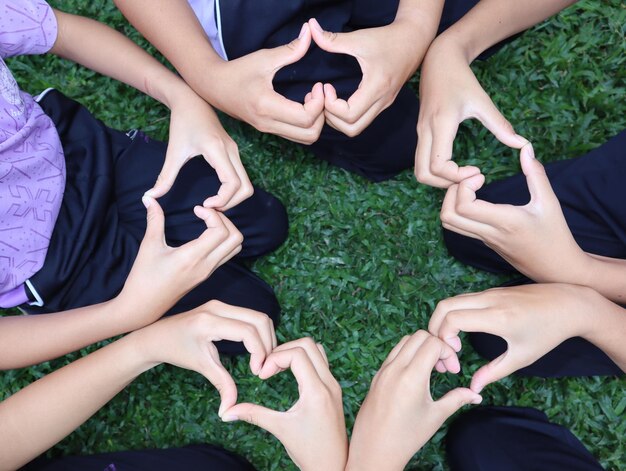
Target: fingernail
{"points": [[302, 30], [230, 418], [146, 199], [316, 25]]}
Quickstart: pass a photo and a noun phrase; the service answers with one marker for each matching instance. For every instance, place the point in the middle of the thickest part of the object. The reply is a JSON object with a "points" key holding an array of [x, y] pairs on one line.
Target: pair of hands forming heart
{"points": [[387, 55]]}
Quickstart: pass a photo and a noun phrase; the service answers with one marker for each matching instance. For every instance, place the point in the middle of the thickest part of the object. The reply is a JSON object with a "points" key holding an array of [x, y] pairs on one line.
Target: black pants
{"points": [[592, 194], [102, 219], [514, 439], [388, 145], [189, 458]]}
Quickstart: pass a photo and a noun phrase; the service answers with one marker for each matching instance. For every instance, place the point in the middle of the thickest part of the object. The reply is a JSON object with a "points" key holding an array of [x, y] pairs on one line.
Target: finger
{"points": [[422, 159], [461, 302], [246, 189], [322, 350], [314, 105], [538, 183], [441, 163], [313, 352], [411, 346], [298, 360], [290, 53], [227, 175], [240, 331], [306, 134], [256, 415], [500, 127], [353, 125], [260, 321], [155, 224], [429, 353], [452, 221], [493, 371], [338, 43], [395, 350], [485, 214], [232, 244], [223, 382], [440, 367], [215, 234], [453, 400], [169, 172], [469, 320]]}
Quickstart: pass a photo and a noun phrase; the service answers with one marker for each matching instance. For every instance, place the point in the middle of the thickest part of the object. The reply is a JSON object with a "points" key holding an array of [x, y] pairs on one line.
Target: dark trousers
{"points": [[513, 439], [592, 193], [102, 219], [189, 458], [388, 145]]}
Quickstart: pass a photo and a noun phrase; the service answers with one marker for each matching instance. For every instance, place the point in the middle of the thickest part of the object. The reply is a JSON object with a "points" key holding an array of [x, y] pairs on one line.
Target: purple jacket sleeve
{"points": [[26, 27]]}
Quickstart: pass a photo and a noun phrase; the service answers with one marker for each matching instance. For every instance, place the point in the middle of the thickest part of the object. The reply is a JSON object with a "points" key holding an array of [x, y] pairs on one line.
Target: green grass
{"points": [[365, 264]]}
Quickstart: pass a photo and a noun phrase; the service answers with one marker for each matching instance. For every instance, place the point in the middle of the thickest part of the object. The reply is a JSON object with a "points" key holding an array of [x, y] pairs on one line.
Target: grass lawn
{"points": [[364, 263]]}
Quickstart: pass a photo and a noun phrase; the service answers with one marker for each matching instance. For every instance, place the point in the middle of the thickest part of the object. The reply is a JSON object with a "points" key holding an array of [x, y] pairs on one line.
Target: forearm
{"points": [[607, 276], [104, 50], [44, 412], [606, 329], [173, 28], [422, 18], [492, 21], [32, 339]]}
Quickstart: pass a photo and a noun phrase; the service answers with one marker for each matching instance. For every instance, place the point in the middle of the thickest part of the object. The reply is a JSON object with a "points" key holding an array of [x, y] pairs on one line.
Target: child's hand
{"points": [[533, 319], [450, 94], [186, 340], [243, 88], [388, 56], [161, 275], [399, 415], [534, 238], [313, 431], [195, 130]]}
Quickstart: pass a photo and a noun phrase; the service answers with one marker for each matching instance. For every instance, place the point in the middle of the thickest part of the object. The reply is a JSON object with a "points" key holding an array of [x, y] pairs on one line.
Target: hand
{"points": [[450, 94], [534, 238], [161, 275], [313, 431], [243, 88], [388, 56], [195, 130], [186, 340], [533, 319], [399, 415]]}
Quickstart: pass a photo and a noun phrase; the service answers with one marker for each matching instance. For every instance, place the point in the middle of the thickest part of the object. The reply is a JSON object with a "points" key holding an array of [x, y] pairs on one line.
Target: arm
{"points": [[160, 276], [241, 87], [313, 430], [534, 238], [44, 412], [533, 320], [450, 93], [388, 57], [399, 415], [194, 128]]}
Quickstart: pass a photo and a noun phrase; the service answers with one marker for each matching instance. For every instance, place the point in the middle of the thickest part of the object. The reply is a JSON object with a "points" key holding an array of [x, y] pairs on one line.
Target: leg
{"points": [[189, 458], [591, 191], [513, 439]]}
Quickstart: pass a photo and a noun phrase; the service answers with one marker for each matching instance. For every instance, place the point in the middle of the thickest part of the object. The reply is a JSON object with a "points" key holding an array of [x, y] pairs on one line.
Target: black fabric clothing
{"points": [[514, 439], [591, 192], [388, 145], [189, 458], [102, 219]]}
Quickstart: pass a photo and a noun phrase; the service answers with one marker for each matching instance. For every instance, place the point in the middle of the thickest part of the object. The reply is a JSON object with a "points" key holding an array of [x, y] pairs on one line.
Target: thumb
{"points": [[499, 126], [155, 225], [260, 416], [457, 398], [328, 41], [536, 178], [491, 372], [168, 174], [295, 50]]}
